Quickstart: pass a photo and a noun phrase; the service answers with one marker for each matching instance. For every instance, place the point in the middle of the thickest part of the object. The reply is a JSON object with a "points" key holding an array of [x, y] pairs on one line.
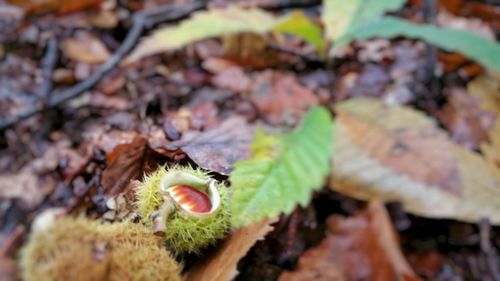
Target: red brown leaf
{"points": [[124, 163], [280, 98], [363, 247]]}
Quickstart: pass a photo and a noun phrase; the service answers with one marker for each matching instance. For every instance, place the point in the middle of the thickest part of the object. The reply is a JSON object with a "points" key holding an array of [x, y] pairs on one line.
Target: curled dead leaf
{"points": [[221, 264], [124, 163], [399, 154], [364, 247], [280, 97], [217, 149]]}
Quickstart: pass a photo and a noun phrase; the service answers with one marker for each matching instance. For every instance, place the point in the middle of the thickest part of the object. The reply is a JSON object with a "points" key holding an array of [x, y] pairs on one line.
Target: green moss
{"points": [[184, 233], [84, 250]]}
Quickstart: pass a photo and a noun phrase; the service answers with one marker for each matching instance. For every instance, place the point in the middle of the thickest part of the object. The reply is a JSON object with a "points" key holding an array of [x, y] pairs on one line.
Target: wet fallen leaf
{"points": [[118, 103], [487, 88], [233, 79], [399, 154], [363, 247], [103, 19], [371, 81], [468, 124], [58, 6], [280, 97], [314, 265], [124, 163], [107, 141], [427, 263], [217, 149], [18, 84], [27, 186], [8, 269], [221, 264], [85, 47]]}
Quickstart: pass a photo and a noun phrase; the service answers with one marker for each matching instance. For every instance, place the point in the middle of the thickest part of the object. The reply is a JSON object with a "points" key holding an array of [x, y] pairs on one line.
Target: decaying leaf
{"points": [[364, 247], [463, 117], [221, 264], [58, 6], [487, 88], [280, 98], [86, 48], [216, 22], [234, 79], [27, 186], [399, 154], [124, 163], [8, 269], [218, 149]]}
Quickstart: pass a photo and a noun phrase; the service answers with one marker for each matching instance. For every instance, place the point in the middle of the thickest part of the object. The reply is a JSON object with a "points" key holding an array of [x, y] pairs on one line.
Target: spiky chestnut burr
{"points": [[80, 249], [186, 206]]}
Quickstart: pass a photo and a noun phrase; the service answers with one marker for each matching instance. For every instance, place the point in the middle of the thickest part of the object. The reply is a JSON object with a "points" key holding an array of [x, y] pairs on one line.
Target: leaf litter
{"points": [[198, 103]]}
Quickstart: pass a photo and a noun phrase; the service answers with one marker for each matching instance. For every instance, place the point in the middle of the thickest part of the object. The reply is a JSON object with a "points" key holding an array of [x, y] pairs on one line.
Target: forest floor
{"points": [[78, 125]]}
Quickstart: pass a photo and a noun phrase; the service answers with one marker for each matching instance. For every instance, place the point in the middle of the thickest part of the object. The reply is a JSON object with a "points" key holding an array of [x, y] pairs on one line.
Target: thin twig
{"points": [[48, 65], [141, 21]]}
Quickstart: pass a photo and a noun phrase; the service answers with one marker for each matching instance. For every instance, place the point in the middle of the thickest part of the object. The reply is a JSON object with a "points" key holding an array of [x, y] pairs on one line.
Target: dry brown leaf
{"points": [[399, 154], [364, 247], [8, 269], [217, 149], [221, 264], [86, 48], [462, 116], [234, 79], [280, 98], [487, 88], [58, 6], [27, 186], [124, 163]]}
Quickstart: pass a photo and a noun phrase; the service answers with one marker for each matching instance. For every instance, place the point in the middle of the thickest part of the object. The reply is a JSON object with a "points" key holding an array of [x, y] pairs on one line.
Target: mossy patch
{"points": [[80, 249]]}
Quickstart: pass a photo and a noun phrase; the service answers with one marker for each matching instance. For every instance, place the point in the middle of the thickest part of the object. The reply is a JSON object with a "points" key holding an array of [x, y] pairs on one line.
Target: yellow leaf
{"points": [[217, 22], [399, 154], [298, 24], [221, 265]]}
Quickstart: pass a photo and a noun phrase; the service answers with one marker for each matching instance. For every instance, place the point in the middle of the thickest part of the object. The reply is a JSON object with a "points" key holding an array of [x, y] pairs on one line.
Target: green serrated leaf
{"points": [[476, 47], [217, 22], [266, 186], [265, 146], [340, 16]]}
